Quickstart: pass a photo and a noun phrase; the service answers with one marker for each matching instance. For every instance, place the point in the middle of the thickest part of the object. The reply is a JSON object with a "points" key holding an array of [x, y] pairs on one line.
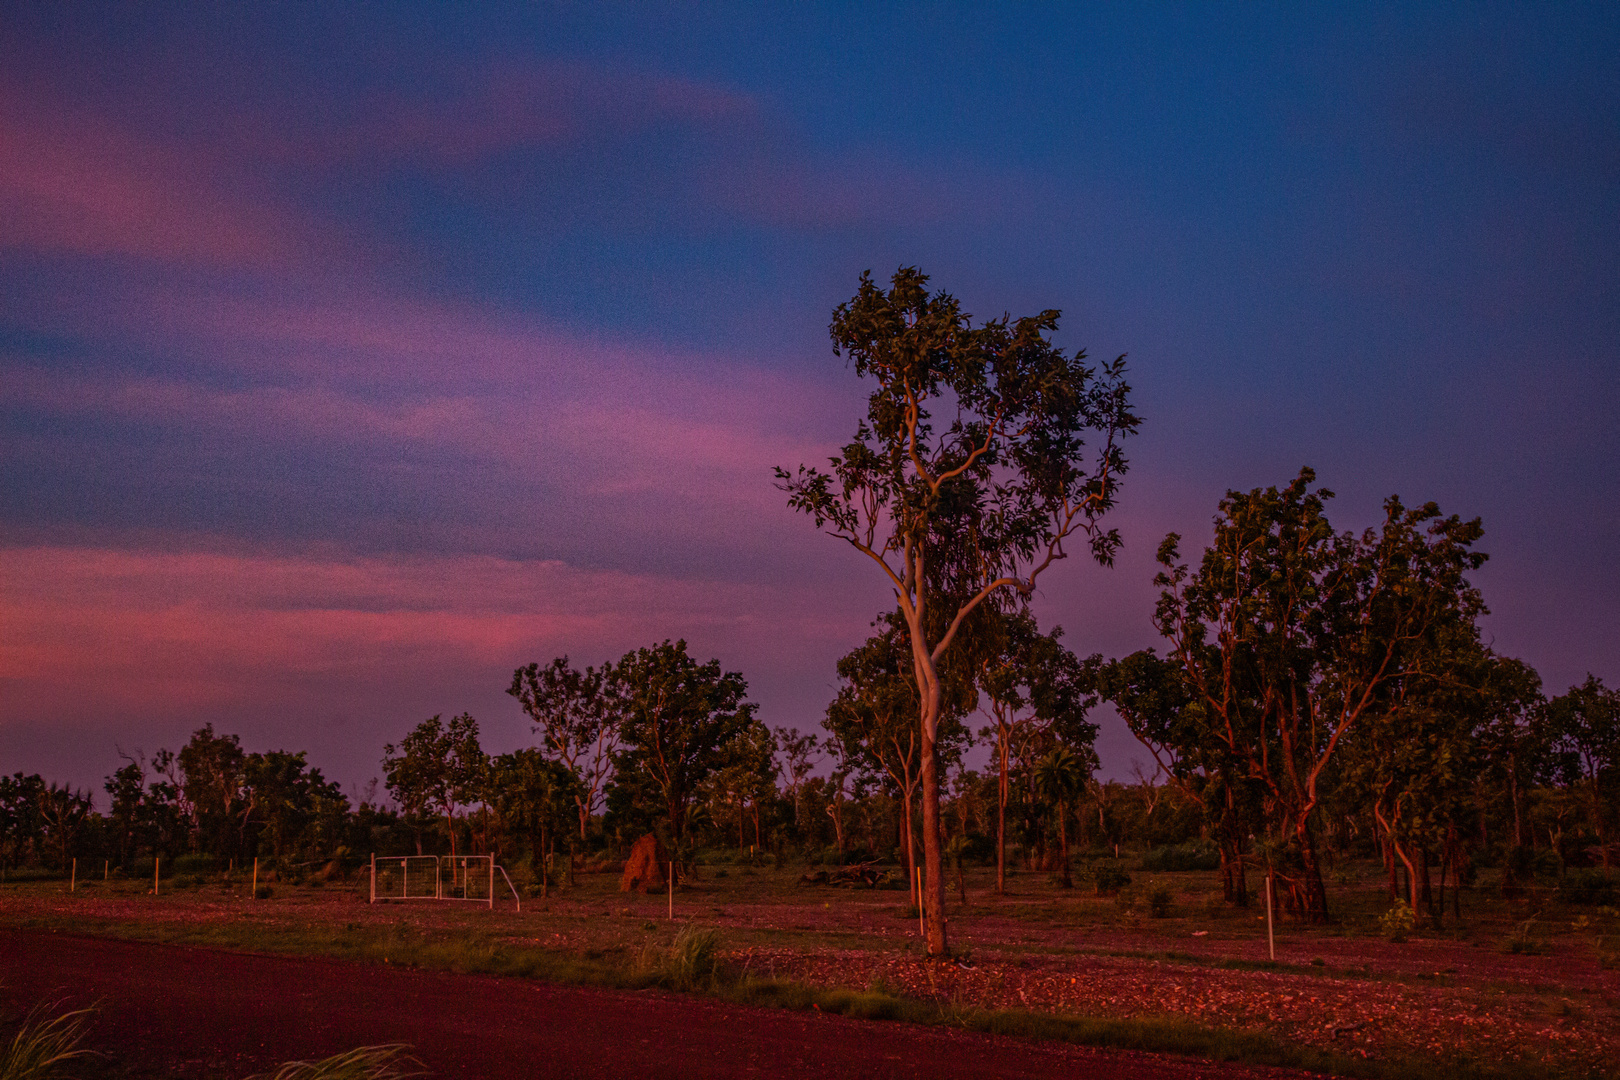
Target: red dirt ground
{"points": [[187, 1012]]}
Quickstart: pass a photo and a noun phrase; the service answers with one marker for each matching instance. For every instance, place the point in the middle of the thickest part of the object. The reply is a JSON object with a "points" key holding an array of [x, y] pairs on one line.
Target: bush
{"points": [[197, 865], [1108, 878], [1160, 901], [1595, 887], [1193, 855], [1396, 923]]}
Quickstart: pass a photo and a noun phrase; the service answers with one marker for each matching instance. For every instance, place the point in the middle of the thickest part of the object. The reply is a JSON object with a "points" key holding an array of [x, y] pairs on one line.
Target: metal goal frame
{"points": [[462, 868]]}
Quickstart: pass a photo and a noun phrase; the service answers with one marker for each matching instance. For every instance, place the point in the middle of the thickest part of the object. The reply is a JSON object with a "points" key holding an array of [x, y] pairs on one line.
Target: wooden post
{"points": [[672, 890], [492, 883], [922, 926], [156, 859], [254, 895], [73, 879], [1271, 940], [373, 877], [106, 869]]}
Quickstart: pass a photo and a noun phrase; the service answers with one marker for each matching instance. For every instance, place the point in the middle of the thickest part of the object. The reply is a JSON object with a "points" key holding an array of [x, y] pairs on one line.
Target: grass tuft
{"points": [[44, 1047], [390, 1061]]}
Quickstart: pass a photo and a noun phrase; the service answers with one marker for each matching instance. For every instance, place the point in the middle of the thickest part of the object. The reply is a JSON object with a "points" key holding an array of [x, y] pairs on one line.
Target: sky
{"points": [[352, 356]]}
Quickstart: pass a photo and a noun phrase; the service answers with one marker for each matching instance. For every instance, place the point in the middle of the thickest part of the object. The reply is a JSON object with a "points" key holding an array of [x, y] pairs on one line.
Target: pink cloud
{"points": [[71, 183], [99, 633]]}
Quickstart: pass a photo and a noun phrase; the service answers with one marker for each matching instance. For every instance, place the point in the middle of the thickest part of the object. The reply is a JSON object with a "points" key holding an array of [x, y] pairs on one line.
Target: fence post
{"points": [[1271, 940], [373, 877], [73, 879], [254, 894], [492, 883], [156, 859]]}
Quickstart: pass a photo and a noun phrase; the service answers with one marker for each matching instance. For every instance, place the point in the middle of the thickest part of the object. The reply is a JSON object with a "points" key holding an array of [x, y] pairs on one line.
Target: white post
{"points": [[672, 891], [73, 879], [254, 893], [492, 883], [156, 859], [106, 869], [1271, 940], [373, 877]]}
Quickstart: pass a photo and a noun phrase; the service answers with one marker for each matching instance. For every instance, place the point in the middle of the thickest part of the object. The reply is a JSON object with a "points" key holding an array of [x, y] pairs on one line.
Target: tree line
{"points": [[1318, 694]]}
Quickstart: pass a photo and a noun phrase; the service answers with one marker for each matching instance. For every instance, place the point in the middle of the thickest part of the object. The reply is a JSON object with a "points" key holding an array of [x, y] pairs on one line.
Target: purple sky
{"points": [[350, 358]]}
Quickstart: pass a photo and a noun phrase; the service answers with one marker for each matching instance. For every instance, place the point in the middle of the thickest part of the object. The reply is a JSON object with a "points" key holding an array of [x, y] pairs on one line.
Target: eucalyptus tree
{"points": [[534, 796], [985, 425], [1585, 725], [681, 722], [874, 715], [576, 714], [437, 769], [798, 753], [1290, 633], [1151, 695], [1515, 744], [1035, 693], [211, 768]]}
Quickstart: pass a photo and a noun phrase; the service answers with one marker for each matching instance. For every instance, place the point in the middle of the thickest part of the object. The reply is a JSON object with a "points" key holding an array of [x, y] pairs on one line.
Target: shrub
{"points": [[1396, 923], [1160, 901], [1193, 855], [263, 892], [1595, 887], [196, 864], [1108, 878]]}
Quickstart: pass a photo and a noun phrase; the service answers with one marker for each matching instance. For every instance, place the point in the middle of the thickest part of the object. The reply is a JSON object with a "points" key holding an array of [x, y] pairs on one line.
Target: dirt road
{"points": [[185, 1012]]}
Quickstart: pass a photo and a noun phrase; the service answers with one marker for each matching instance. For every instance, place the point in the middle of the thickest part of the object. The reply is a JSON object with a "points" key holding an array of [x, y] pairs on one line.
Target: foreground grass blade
{"points": [[390, 1061], [44, 1047]]}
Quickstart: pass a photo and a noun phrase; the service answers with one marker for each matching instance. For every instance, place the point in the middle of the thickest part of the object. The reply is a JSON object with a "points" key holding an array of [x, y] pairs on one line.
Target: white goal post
{"points": [[465, 878]]}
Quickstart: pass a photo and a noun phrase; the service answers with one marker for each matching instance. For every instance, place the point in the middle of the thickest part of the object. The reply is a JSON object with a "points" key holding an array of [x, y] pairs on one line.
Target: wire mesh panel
{"points": [[467, 877], [406, 877]]}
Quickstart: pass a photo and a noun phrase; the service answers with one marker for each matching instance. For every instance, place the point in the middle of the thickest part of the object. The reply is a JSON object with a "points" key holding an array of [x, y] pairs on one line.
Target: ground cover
{"points": [[1525, 988]]}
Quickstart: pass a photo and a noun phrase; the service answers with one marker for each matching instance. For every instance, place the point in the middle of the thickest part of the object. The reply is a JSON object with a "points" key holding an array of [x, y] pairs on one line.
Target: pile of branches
{"points": [[847, 877]]}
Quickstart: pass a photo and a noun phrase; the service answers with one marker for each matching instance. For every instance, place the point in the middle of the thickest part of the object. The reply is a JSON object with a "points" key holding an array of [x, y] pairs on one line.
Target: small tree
{"points": [[576, 713], [437, 769], [1061, 778], [1034, 690], [798, 753], [533, 795], [682, 722], [981, 505], [1585, 724], [211, 766], [875, 717]]}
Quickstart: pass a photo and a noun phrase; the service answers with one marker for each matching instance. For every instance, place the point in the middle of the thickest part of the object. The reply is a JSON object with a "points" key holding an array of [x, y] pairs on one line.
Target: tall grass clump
{"points": [[694, 956], [390, 1061], [44, 1047]]}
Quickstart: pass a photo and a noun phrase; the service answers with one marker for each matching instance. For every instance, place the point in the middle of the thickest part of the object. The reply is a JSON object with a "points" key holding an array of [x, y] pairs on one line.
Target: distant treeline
{"points": [[659, 742]]}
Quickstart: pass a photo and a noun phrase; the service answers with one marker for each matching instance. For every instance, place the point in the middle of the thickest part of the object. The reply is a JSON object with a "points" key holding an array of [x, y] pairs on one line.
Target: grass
{"points": [[391, 1061], [46, 1045], [766, 908]]}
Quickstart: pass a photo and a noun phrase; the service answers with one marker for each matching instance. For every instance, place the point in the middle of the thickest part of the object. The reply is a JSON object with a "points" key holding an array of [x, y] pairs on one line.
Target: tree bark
{"points": [[933, 862]]}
